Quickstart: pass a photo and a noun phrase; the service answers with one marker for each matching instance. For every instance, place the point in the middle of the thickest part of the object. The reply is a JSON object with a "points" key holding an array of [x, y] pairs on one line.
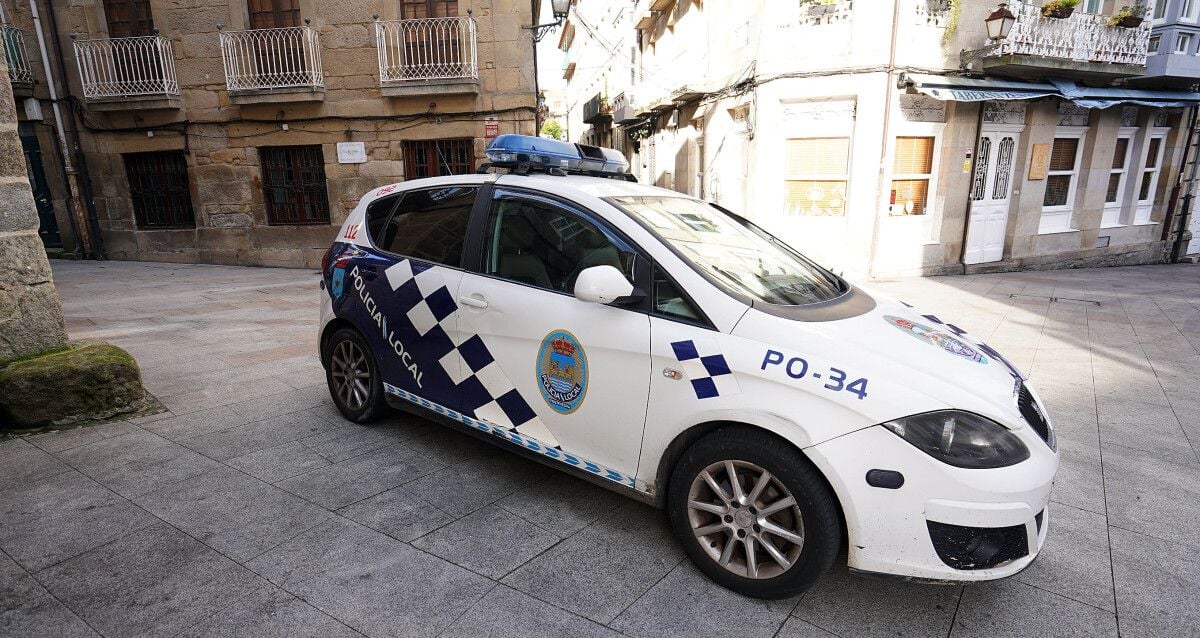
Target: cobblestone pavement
{"points": [[251, 508]]}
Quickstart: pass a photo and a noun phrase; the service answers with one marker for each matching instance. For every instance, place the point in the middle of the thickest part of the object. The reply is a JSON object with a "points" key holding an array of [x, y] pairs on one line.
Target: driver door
{"points": [[568, 373]]}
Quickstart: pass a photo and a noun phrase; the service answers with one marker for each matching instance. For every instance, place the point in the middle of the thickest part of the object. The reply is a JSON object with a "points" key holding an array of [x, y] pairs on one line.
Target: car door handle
{"points": [[474, 302]]}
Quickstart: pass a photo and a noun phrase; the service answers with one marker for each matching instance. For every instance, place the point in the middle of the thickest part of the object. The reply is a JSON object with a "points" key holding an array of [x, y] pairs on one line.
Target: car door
{"points": [[572, 375], [402, 292]]}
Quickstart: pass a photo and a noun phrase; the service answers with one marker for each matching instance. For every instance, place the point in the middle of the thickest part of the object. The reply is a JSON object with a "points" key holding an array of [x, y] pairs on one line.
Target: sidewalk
{"points": [[253, 508]]}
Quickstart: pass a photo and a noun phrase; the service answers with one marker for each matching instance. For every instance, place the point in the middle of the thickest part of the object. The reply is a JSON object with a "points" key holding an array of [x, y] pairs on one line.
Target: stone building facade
{"points": [[244, 131], [894, 138]]}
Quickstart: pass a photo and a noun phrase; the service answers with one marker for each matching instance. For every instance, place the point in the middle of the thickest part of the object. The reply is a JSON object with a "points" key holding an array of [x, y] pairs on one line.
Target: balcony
{"points": [[597, 110], [624, 111], [120, 74], [273, 65], [427, 56], [19, 73], [1080, 46]]}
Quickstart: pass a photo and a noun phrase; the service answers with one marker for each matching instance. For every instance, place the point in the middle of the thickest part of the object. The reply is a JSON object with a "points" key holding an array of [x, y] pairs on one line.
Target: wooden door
{"points": [[432, 48], [128, 18], [274, 14], [279, 55], [991, 191]]}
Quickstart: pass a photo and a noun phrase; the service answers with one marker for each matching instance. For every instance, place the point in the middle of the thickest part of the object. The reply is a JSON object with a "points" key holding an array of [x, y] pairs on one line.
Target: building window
{"points": [[158, 189], [1188, 10], [1183, 43], [294, 185], [1092, 6], [433, 158], [1160, 9], [1148, 182], [1116, 181], [816, 175], [1155, 42], [1060, 183], [912, 170]]}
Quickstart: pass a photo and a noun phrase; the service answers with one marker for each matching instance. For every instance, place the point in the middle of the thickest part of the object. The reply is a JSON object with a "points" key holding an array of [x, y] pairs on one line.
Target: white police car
{"points": [[671, 350]]}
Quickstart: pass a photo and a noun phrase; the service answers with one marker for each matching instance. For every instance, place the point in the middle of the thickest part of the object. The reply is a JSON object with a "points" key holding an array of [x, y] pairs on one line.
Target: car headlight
{"points": [[961, 439]]}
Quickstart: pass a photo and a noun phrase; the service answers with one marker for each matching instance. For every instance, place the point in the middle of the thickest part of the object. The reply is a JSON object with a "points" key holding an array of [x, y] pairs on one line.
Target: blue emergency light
{"points": [[529, 153]]}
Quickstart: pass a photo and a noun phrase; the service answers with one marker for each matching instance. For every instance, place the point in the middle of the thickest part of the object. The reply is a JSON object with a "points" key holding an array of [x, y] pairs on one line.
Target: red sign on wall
{"points": [[491, 128]]}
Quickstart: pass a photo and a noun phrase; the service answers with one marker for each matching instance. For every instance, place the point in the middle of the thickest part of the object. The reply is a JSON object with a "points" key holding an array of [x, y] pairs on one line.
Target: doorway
{"points": [[434, 46], [991, 192], [47, 223]]}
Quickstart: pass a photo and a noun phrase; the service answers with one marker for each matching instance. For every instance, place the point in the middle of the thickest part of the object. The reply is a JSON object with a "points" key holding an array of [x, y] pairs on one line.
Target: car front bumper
{"points": [[944, 523]]}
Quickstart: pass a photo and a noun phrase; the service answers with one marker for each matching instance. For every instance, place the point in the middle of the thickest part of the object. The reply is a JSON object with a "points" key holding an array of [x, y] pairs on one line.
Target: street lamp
{"points": [[559, 9], [999, 22]]}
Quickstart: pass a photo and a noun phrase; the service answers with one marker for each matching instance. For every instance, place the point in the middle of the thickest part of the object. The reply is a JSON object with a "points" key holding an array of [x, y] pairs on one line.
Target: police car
{"points": [[673, 351]]}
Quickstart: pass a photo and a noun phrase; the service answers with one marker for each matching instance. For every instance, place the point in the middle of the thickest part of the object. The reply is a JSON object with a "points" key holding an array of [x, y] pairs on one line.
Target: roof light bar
{"points": [[539, 153]]}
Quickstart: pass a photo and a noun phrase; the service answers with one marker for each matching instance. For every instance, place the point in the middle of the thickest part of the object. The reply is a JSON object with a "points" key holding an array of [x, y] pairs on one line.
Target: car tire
{"points": [[724, 533], [353, 377]]}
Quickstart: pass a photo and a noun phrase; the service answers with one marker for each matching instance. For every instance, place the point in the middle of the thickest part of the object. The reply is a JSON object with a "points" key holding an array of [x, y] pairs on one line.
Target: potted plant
{"points": [[1129, 17], [1059, 8]]}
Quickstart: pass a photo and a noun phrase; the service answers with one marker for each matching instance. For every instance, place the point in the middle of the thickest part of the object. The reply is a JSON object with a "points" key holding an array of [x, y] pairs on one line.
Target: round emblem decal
{"points": [[562, 371], [939, 339]]}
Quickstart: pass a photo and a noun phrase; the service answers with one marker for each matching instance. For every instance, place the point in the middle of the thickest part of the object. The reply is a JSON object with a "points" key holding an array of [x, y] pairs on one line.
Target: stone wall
{"points": [[222, 138], [31, 318]]}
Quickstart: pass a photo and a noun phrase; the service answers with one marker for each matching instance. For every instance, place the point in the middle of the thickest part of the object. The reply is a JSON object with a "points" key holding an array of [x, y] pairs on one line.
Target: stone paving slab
{"points": [[251, 508]]}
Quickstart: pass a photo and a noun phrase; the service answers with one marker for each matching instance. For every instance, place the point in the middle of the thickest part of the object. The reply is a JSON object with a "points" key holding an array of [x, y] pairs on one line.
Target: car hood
{"points": [[915, 362]]}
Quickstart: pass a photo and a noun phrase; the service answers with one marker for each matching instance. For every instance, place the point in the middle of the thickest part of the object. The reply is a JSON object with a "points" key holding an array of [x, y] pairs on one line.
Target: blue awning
{"points": [[1102, 98], [964, 89]]}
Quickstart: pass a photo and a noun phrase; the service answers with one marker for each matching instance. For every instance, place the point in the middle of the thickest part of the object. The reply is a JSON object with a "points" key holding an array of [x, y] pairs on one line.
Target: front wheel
{"points": [[753, 514], [353, 377]]}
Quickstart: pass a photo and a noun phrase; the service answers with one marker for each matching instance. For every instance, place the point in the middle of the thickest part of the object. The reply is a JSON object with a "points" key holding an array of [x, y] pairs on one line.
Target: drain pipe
{"points": [[78, 217]]}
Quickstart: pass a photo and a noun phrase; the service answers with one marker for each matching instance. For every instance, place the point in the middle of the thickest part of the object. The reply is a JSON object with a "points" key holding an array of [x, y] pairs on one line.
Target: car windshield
{"points": [[739, 255]]}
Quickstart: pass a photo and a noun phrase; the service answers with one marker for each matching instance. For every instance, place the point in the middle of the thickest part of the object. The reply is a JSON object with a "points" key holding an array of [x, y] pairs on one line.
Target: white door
{"points": [[576, 374], [991, 189]]}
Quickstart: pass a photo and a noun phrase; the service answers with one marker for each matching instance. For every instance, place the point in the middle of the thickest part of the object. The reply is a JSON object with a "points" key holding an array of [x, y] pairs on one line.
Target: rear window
{"points": [[429, 225]]}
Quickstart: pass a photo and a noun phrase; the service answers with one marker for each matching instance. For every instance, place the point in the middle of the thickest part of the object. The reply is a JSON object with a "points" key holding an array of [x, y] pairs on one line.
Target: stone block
{"points": [[391, 169], [17, 211], [230, 220], [347, 36], [12, 157], [165, 240], [270, 238], [222, 239], [91, 382]]}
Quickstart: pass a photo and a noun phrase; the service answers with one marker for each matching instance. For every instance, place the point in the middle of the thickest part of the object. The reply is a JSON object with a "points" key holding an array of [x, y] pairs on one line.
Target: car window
{"points": [[378, 212], [430, 225], [736, 254], [670, 301], [544, 245]]}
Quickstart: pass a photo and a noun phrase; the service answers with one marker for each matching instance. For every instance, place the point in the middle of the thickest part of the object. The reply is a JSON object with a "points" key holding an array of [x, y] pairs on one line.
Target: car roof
{"points": [[568, 185]]}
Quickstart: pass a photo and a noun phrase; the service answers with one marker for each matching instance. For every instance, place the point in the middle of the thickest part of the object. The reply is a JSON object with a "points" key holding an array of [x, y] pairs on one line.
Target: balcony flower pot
{"points": [[1057, 12], [1130, 22]]}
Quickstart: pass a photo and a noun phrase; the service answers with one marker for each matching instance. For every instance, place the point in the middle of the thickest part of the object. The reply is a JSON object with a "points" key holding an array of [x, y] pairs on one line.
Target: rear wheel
{"points": [[753, 513], [353, 377]]}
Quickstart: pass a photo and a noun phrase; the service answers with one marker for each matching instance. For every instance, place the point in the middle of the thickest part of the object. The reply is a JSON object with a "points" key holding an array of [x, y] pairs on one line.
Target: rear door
{"points": [[401, 294], [571, 375]]}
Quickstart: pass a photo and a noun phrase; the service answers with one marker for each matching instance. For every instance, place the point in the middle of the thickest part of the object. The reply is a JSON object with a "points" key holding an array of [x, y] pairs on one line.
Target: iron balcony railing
{"points": [[1082, 37], [289, 57], [14, 53], [126, 67], [426, 49]]}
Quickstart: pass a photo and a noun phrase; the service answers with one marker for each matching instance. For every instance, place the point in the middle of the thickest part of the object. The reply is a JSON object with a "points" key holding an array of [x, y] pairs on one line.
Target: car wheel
{"points": [[353, 377], [753, 513]]}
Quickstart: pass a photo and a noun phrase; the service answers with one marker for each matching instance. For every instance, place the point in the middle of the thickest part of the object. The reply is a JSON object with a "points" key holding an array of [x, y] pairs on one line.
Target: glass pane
{"points": [[1114, 187], [546, 246], [1058, 187], [1004, 162], [1152, 152], [1062, 157], [914, 155], [741, 257], [1144, 189], [979, 182], [818, 156], [808, 197], [1120, 152], [430, 225], [909, 196], [669, 301]]}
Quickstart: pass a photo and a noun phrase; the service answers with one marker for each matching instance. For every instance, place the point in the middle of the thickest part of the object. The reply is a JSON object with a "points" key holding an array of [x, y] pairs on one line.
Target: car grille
{"points": [[977, 547], [1032, 413]]}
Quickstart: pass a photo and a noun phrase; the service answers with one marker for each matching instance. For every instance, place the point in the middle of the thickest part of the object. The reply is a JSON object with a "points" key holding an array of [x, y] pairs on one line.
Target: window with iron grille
{"points": [[158, 188], [434, 158], [293, 179]]}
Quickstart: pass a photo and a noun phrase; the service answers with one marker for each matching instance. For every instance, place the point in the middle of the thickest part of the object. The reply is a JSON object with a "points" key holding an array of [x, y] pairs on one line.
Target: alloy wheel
{"points": [[351, 374], [745, 519]]}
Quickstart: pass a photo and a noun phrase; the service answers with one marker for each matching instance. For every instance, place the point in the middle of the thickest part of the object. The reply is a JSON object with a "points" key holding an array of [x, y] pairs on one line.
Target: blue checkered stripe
{"points": [[485, 390], [706, 369], [511, 435]]}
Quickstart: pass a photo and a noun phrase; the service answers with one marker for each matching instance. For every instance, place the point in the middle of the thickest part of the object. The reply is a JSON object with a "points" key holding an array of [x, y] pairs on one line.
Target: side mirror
{"points": [[605, 285]]}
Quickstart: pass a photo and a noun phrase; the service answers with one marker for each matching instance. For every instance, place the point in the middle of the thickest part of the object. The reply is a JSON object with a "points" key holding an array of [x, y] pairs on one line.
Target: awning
{"points": [[1102, 98], [960, 89]]}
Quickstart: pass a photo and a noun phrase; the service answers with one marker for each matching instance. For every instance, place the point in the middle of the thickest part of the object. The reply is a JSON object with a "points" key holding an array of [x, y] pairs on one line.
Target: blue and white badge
{"points": [[337, 282], [562, 371]]}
